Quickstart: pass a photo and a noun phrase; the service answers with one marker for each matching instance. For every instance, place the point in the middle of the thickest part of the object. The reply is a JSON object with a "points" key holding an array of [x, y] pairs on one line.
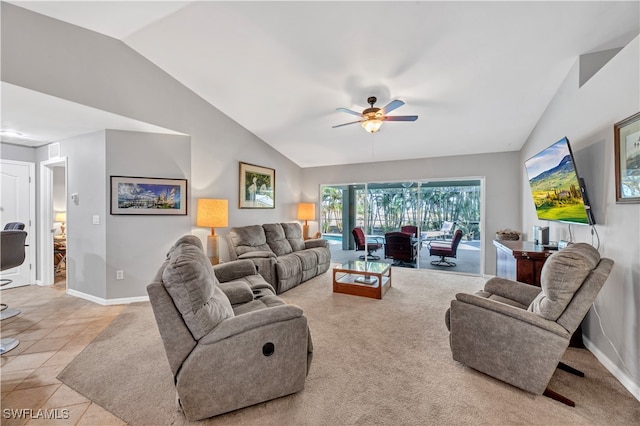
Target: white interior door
{"points": [[17, 204]]}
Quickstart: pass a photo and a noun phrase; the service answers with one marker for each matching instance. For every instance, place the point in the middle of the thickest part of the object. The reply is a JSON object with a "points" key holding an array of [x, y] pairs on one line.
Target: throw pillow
{"points": [[562, 275], [192, 284]]}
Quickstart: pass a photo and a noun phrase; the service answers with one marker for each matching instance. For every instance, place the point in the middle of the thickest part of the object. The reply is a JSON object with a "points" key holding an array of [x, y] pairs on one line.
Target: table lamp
{"points": [[306, 211], [61, 217], [214, 214]]}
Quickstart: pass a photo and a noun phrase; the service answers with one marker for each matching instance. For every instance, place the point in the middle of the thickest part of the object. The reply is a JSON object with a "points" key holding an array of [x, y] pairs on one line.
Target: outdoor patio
{"points": [[467, 260]]}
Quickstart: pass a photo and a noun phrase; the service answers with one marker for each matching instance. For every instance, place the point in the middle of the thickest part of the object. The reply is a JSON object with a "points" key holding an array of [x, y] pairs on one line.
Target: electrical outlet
{"points": [[96, 219], [119, 275]]}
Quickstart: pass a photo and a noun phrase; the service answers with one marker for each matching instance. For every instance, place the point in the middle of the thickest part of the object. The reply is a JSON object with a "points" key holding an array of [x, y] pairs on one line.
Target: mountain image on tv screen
{"points": [[554, 185]]}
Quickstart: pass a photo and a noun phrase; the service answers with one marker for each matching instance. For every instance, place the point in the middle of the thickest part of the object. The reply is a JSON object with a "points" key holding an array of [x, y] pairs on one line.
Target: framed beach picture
{"points": [[627, 159], [148, 196], [257, 187]]}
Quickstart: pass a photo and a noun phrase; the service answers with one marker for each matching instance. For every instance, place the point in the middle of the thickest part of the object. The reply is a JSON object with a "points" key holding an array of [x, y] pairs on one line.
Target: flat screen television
{"points": [[558, 192]]}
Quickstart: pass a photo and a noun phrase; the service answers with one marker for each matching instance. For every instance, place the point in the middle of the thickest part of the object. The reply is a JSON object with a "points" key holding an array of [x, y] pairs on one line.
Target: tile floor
{"points": [[52, 328]]}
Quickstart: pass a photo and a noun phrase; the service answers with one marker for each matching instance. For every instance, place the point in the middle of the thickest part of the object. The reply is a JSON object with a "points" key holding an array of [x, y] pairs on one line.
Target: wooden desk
{"points": [[520, 260]]}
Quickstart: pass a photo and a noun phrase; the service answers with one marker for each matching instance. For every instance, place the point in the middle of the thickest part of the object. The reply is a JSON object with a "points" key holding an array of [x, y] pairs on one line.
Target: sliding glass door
{"points": [[382, 207]]}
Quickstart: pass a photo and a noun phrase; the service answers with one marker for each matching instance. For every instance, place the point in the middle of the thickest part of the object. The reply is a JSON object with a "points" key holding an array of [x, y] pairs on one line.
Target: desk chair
{"points": [[14, 226], [12, 254], [60, 254]]}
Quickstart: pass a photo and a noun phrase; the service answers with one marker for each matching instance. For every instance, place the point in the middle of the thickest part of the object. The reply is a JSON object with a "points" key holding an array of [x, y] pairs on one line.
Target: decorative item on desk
{"points": [[306, 211], [541, 235], [61, 217], [214, 214], [507, 235]]}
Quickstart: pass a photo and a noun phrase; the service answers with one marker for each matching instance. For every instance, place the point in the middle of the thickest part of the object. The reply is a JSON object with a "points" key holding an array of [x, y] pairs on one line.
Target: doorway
{"points": [[53, 222]]}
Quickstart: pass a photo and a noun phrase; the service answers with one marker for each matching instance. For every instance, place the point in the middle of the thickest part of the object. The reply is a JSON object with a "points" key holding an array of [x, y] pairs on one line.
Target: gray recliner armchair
{"points": [[229, 340], [517, 332]]}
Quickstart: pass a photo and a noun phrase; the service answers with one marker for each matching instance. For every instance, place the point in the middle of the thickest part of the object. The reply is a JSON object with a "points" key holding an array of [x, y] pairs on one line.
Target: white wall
{"points": [[17, 153], [86, 242], [586, 116], [500, 170], [43, 54], [137, 245]]}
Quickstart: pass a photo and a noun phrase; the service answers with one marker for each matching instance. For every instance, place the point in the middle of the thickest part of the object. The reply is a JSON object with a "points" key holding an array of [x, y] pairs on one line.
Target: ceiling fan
{"points": [[372, 117]]}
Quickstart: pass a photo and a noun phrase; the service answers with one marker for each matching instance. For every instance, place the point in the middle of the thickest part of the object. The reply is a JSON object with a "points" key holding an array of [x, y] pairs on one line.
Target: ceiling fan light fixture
{"points": [[371, 118], [372, 125]]}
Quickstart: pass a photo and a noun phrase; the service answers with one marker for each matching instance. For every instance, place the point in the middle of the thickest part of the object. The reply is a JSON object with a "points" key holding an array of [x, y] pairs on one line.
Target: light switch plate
{"points": [[96, 219]]}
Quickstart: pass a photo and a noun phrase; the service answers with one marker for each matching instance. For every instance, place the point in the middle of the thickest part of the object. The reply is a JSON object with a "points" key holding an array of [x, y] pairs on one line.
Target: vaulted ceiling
{"points": [[478, 74]]}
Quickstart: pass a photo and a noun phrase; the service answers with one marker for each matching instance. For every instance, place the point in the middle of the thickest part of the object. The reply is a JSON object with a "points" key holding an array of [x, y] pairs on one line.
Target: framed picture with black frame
{"points": [[627, 159], [257, 187], [148, 196]]}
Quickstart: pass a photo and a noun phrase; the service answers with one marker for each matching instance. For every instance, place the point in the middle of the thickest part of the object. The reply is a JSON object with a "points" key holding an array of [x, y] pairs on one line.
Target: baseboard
{"points": [[619, 374], [107, 302]]}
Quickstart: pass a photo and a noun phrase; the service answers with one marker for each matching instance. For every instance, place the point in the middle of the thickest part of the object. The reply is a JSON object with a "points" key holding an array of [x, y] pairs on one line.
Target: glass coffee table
{"points": [[360, 278]]}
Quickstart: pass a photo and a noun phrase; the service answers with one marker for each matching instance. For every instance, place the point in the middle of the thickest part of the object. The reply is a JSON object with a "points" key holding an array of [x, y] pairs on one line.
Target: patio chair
{"points": [[411, 230], [362, 244], [401, 247], [446, 231], [445, 249]]}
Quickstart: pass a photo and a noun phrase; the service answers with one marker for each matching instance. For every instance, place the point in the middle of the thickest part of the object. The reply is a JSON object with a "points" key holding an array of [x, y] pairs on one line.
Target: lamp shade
{"points": [[306, 211], [60, 217], [212, 213]]}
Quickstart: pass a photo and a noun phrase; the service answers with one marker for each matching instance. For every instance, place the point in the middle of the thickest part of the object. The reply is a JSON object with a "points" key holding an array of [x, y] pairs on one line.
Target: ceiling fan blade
{"points": [[401, 118], [348, 111], [346, 124], [392, 105]]}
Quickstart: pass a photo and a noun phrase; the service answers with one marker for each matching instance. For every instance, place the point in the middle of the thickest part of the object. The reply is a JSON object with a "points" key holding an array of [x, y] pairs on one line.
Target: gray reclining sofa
{"points": [[229, 340], [282, 257]]}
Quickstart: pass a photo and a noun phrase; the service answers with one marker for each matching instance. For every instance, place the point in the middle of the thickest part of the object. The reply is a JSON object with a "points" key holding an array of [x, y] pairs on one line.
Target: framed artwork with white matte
{"points": [[257, 187], [627, 159]]}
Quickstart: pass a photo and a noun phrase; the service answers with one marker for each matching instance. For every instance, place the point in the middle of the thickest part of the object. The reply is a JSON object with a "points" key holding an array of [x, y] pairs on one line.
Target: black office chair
{"points": [[14, 226], [12, 254]]}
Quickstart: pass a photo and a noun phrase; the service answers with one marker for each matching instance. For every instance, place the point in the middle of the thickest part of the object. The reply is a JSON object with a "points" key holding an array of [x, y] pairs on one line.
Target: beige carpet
{"points": [[375, 362]]}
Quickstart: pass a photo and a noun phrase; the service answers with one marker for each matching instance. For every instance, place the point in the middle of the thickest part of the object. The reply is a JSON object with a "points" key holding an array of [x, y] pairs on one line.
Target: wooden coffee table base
{"points": [[355, 278]]}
